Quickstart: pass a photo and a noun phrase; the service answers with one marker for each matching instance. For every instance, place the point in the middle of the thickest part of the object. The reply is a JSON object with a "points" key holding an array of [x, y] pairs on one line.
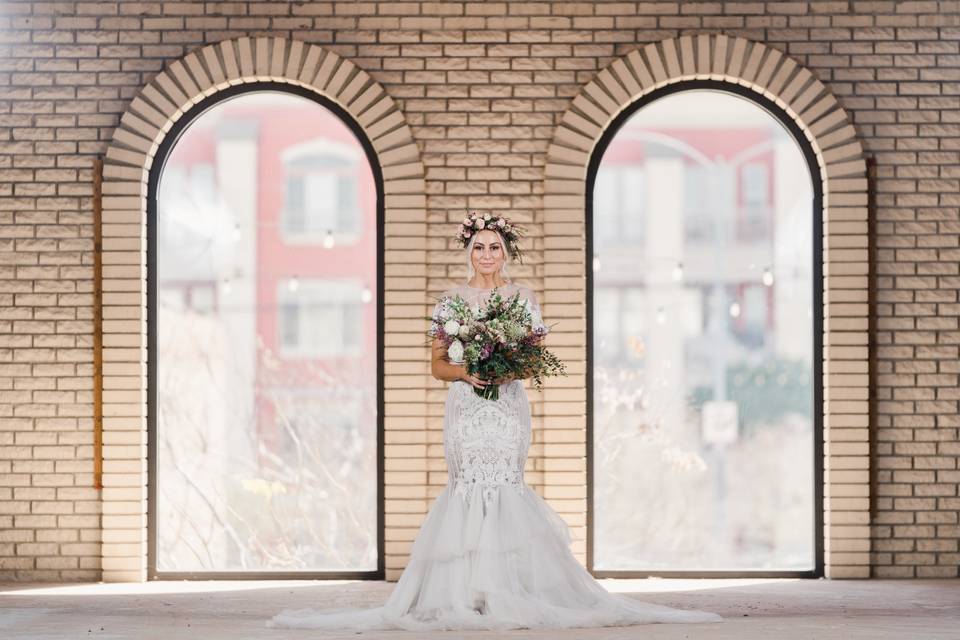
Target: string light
{"points": [[678, 272], [293, 284], [767, 277], [328, 240]]}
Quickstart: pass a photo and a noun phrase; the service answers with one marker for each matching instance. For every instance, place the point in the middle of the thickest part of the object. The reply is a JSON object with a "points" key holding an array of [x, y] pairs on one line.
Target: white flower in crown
{"points": [[466, 222], [455, 351], [451, 327], [486, 216], [501, 222], [480, 224]]}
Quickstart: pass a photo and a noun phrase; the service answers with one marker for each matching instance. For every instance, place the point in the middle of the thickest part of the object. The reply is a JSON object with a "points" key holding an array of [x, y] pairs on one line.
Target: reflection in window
{"points": [[703, 342], [619, 195], [320, 318], [754, 202], [267, 351], [320, 192]]}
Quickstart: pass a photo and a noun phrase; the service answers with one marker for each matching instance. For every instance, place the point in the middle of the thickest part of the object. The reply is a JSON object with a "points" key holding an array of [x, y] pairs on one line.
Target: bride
{"points": [[491, 553]]}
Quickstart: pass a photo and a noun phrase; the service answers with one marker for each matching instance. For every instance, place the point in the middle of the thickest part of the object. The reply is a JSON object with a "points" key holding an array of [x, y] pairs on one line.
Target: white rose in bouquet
{"points": [[464, 331], [455, 351], [451, 327]]}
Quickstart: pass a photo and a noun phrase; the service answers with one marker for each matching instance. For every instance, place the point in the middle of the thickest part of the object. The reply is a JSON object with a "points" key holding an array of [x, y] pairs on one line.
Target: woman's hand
{"points": [[478, 383]]}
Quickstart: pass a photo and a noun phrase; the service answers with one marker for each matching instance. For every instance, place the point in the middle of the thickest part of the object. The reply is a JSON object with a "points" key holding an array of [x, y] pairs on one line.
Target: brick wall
{"points": [[482, 86]]}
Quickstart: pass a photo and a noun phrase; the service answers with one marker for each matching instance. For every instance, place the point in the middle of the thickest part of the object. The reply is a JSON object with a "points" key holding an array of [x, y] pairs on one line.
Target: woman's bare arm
{"points": [[442, 369]]}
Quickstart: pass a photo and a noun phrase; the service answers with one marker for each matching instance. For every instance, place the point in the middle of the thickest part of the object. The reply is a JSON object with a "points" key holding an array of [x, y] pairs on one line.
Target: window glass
{"points": [[703, 349], [266, 426]]}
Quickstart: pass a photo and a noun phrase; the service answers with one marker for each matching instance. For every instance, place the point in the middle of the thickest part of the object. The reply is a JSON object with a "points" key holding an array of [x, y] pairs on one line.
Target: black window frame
{"points": [[156, 171], [816, 178]]}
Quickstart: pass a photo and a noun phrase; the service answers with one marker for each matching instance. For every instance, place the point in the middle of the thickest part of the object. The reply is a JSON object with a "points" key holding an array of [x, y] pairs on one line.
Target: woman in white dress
{"points": [[491, 553]]}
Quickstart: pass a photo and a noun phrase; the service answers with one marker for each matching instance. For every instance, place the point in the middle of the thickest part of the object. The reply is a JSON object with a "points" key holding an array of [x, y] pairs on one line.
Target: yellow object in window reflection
{"points": [[636, 345]]}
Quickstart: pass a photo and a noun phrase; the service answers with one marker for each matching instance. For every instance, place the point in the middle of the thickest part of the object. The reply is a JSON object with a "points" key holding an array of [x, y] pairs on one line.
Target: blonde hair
{"points": [[503, 245]]}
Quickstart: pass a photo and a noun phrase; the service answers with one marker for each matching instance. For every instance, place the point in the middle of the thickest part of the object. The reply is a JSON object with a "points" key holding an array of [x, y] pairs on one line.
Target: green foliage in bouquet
{"points": [[498, 341]]}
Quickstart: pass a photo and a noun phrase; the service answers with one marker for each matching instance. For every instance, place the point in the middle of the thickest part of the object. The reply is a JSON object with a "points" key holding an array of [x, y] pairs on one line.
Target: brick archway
{"points": [[128, 160], [845, 267]]}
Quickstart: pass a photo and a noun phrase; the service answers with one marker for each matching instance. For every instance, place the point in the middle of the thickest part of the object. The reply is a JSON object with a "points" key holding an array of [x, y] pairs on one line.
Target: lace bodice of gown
{"points": [[486, 443], [478, 297]]}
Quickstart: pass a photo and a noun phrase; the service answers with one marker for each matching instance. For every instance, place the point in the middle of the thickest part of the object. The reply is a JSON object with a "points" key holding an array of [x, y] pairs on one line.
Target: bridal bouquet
{"points": [[499, 340]]}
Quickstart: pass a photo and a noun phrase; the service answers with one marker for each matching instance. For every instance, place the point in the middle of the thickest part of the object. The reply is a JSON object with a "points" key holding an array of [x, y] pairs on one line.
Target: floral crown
{"points": [[474, 223]]}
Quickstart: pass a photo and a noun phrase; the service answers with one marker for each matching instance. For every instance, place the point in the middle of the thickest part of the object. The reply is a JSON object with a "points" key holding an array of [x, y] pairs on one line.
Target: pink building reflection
{"points": [[267, 291]]}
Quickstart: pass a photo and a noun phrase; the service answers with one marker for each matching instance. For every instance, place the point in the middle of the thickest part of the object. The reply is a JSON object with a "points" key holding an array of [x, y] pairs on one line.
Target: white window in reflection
{"points": [[320, 192], [619, 196], [320, 318], [267, 348], [703, 342]]}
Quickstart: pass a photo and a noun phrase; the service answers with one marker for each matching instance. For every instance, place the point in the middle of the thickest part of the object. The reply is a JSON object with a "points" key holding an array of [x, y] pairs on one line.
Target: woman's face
{"points": [[488, 253]]}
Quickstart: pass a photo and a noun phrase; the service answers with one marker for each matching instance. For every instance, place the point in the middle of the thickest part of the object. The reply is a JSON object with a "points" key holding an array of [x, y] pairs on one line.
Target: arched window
{"points": [[265, 375], [704, 355]]}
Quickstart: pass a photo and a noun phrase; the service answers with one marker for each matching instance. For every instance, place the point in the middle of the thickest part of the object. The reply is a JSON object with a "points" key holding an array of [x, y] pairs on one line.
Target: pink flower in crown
{"points": [[501, 222], [480, 224], [466, 222], [466, 233]]}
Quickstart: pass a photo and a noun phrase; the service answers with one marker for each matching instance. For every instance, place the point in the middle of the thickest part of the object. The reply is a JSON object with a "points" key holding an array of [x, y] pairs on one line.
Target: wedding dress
{"points": [[491, 553]]}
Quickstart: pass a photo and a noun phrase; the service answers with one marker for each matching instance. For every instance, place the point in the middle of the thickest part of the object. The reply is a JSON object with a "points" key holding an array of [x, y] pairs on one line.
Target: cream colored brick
{"points": [[414, 262]]}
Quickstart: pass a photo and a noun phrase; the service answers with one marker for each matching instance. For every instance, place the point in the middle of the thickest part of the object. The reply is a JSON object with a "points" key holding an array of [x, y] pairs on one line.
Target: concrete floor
{"points": [[760, 608]]}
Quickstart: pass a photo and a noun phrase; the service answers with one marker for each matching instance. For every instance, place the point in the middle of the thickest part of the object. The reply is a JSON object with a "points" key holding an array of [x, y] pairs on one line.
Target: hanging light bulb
{"points": [[661, 316], [328, 240], [366, 295], [235, 236], [735, 309], [767, 277], [678, 272], [227, 286], [293, 284]]}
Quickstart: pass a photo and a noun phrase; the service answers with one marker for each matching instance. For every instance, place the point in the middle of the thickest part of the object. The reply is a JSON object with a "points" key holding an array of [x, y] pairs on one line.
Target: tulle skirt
{"points": [[492, 557]]}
